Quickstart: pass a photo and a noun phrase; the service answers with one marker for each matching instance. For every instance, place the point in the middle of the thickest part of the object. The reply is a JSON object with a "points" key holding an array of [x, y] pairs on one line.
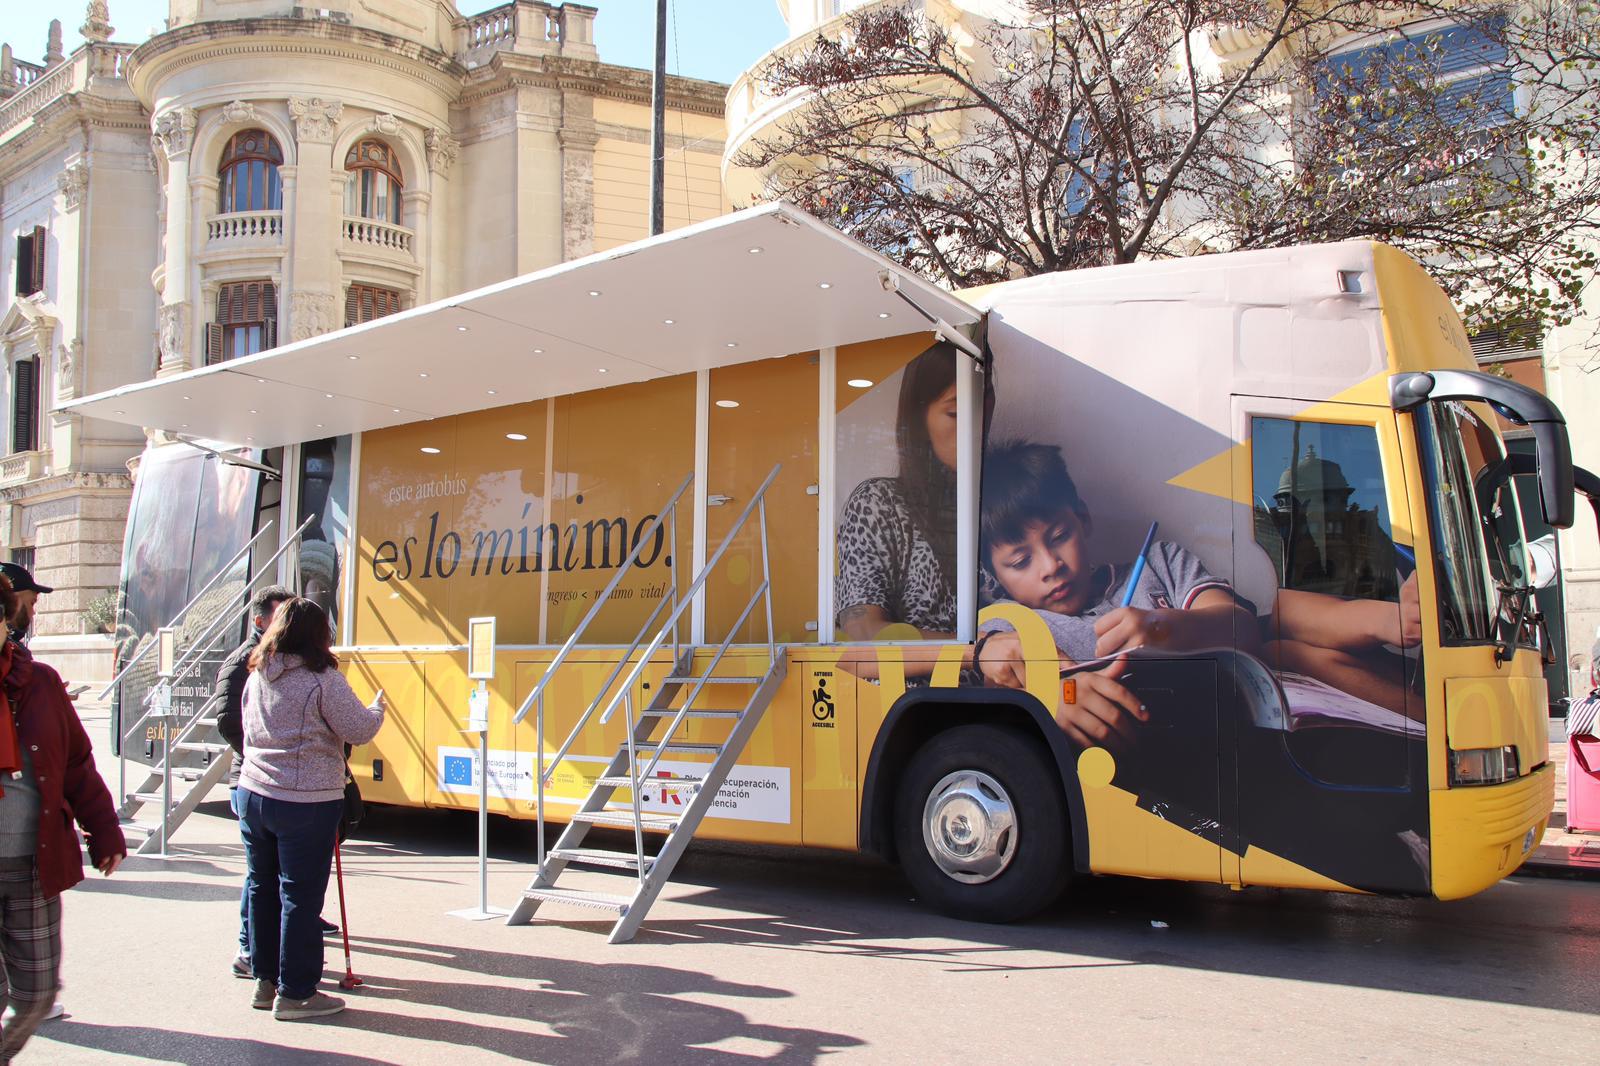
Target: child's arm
{"points": [[1212, 621], [1351, 625]]}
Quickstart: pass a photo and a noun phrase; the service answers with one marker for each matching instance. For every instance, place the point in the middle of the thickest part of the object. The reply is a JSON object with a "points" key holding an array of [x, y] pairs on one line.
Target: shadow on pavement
{"points": [[191, 1049]]}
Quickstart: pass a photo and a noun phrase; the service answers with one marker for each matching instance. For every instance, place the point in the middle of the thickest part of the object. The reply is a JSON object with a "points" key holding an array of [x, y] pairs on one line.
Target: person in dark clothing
{"points": [[48, 777], [231, 676]]}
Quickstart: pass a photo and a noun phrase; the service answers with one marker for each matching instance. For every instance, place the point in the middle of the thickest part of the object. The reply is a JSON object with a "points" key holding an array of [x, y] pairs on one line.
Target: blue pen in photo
{"points": [[1138, 565]]}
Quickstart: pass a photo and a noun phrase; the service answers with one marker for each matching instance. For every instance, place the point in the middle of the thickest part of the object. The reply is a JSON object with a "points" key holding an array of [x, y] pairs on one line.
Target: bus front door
{"points": [[1327, 714]]}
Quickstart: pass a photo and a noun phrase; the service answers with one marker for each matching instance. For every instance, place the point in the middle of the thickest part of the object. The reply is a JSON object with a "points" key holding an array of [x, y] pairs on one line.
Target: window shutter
{"points": [[38, 260], [269, 315], [213, 343], [24, 403], [352, 305], [222, 305], [24, 263]]}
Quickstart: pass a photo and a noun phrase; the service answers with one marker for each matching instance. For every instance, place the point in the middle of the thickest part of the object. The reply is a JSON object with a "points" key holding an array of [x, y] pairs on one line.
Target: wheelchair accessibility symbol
{"points": [[822, 703]]}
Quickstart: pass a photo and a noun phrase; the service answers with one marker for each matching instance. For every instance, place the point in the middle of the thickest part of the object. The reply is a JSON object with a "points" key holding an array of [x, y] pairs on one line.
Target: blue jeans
{"points": [[288, 848], [244, 892]]}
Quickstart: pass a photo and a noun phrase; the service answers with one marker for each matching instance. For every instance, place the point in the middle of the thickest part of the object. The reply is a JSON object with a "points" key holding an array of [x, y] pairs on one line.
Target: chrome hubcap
{"points": [[969, 827]]}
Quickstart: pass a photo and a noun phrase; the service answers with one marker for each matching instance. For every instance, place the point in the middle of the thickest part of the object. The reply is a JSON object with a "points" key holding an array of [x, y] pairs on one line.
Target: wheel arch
{"points": [[923, 713]]}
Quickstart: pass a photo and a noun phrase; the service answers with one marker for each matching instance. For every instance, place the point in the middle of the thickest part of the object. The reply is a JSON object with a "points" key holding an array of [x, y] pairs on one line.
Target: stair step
{"points": [[601, 857], [206, 723], [683, 746], [150, 797], [692, 678], [149, 829], [599, 900], [186, 773], [697, 712], [661, 823], [201, 745], [624, 781]]}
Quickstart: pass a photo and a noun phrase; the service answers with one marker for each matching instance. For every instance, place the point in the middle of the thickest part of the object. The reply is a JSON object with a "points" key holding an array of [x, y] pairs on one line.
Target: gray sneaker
{"points": [[319, 1005], [241, 966], [266, 992]]}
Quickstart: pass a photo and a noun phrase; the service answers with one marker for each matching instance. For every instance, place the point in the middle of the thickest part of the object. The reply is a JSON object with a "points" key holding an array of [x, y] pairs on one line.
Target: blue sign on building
{"points": [[457, 770]]}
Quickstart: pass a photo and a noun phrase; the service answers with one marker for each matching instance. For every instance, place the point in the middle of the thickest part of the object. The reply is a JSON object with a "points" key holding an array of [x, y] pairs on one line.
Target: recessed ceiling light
{"points": [[186, 397], [184, 426], [423, 374], [733, 344], [492, 392], [594, 292], [538, 351], [119, 412], [825, 285], [430, 451], [755, 251], [319, 425], [602, 370], [727, 403], [884, 314], [668, 321], [261, 381], [249, 438], [353, 358], [396, 410], [516, 436], [461, 329], [327, 396], [252, 410], [860, 383]]}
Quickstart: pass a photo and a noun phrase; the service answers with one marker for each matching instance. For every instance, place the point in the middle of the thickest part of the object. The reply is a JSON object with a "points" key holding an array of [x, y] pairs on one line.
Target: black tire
{"points": [[1040, 864]]}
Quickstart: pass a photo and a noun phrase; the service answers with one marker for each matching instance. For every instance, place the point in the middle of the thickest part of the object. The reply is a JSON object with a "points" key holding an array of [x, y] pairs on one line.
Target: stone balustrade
{"points": [[378, 235], [20, 467], [245, 227], [71, 75], [529, 27]]}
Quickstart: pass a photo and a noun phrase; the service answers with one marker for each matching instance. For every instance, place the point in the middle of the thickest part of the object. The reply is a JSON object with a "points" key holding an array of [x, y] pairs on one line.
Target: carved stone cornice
{"points": [[314, 117], [442, 150], [73, 183], [387, 124], [172, 132]]}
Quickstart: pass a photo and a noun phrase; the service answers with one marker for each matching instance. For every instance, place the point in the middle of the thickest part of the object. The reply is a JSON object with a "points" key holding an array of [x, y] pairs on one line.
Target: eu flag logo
{"points": [[457, 770]]}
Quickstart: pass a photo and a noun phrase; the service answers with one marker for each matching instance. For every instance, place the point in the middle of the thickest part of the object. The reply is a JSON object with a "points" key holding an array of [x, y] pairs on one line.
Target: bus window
{"points": [[895, 565], [1475, 518], [324, 497]]}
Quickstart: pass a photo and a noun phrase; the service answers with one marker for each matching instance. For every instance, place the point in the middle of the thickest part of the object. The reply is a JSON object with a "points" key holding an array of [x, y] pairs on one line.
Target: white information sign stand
{"points": [[161, 712], [480, 668]]}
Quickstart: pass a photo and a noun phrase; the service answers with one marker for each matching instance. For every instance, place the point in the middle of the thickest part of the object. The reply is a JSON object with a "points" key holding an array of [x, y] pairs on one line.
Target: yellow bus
{"points": [[1209, 569]]}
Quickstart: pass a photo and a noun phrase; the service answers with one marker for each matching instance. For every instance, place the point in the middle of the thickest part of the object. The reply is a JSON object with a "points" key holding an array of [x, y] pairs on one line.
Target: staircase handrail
{"points": [[670, 507], [142, 652]]}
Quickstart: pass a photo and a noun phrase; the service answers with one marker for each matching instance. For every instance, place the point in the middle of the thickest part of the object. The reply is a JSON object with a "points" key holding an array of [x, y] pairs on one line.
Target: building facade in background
{"points": [[261, 172]]}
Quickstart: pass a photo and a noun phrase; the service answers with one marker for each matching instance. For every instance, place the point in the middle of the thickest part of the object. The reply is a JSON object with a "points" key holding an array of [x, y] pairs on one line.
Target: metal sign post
{"points": [[480, 668], [161, 711]]}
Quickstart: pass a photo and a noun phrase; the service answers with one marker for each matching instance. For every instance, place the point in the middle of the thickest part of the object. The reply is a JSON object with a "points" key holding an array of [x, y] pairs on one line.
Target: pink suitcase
{"points": [[1583, 782]]}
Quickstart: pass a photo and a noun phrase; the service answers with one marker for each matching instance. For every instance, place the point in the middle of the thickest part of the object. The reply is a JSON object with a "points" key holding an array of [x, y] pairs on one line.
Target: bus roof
{"points": [[756, 284]]}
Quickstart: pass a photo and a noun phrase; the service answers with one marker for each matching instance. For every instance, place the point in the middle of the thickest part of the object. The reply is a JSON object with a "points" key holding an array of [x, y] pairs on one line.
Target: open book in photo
{"points": [[1313, 703]]}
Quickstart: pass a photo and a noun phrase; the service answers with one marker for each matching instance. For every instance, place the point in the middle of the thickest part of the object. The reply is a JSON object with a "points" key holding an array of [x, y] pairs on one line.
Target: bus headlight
{"points": [[1483, 766]]}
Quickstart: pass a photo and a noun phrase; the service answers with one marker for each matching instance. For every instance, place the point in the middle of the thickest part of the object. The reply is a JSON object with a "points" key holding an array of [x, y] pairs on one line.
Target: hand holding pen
{"points": [[1127, 628]]}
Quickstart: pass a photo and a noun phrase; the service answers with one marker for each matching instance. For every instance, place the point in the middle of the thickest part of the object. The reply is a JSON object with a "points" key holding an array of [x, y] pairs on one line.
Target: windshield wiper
{"points": [[1506, 644]]}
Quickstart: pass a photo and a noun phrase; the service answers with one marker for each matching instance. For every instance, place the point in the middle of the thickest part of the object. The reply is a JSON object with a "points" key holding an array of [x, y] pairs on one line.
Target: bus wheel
{"points": [[981, 825]]}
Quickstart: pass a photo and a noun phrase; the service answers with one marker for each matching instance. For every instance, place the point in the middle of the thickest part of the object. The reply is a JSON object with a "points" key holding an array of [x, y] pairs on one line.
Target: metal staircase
{"points": [[614, 800], [194, 757]]}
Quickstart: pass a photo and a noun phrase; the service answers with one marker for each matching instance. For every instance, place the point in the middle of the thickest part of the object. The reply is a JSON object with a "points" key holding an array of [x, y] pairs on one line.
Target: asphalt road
{"points": [[793, 957]]}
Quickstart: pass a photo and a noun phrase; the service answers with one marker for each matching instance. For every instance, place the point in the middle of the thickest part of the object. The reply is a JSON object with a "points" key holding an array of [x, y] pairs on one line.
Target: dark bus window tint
{"points": [[1321, 513]]}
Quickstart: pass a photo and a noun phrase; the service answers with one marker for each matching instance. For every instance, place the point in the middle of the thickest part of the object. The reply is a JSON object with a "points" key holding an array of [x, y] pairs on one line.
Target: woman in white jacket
{"points": [[299, 712]]}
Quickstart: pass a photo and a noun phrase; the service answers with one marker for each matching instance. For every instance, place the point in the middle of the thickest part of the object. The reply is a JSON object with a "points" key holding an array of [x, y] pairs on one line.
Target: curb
{"points": [[1559, 869]]}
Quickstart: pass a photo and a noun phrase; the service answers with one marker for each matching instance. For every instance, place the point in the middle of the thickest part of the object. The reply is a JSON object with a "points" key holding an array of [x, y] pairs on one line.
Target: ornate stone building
{"points": [[263, 171]]}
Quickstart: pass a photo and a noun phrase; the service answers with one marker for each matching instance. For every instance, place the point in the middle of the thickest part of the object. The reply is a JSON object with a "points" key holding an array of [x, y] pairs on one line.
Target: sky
{"points": [[713, 39]]}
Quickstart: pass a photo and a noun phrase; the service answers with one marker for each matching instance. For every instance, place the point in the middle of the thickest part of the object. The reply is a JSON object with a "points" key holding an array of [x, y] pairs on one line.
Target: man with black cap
{"points": [[28, 592]]}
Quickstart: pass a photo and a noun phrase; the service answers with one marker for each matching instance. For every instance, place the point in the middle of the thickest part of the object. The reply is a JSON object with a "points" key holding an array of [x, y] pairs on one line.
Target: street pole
{"points": [[658, 126]]}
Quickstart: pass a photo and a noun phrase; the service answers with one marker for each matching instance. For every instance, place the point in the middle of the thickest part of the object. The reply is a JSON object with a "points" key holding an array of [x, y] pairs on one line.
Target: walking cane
{"points": [[349, 980]]}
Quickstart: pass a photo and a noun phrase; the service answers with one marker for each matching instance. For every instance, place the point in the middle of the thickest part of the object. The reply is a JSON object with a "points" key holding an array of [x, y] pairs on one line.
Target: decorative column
{"points": [[442, 151], [313, 259], [172, 134]]}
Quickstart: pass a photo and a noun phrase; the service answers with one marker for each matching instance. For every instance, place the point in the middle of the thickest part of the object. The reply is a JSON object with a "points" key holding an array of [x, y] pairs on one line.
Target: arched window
{"points": [[374, 186], [249, 173]]}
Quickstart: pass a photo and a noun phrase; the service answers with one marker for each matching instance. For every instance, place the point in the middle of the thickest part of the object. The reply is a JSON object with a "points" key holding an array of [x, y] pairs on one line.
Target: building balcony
{"points": [[244, 230], [27, 87], [378, 241], [21, 467], [753, 113], [528, 27]]}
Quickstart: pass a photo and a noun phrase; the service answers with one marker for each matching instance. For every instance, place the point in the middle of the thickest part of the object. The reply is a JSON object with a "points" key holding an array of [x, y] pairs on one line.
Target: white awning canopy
{"points": [[766, 282]]}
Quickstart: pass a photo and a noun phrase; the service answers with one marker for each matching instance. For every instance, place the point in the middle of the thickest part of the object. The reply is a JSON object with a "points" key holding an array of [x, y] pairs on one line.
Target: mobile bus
{"points": [[1209, 569]]}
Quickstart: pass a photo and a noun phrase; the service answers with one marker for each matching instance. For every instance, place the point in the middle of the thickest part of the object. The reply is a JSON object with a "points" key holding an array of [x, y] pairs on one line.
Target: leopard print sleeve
{"points": [[871, 548]]}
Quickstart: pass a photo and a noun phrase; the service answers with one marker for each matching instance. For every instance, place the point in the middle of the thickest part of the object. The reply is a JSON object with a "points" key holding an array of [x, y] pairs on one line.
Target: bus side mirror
{"points": [[1411, 390]]}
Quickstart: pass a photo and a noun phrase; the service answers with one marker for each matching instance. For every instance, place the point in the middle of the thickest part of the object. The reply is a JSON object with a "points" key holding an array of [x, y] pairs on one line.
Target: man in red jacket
{"points": [[48, 778]]}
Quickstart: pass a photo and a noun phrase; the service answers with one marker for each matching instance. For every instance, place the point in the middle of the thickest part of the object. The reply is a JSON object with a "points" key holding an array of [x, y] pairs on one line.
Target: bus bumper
{"points": [[1483, 834]]}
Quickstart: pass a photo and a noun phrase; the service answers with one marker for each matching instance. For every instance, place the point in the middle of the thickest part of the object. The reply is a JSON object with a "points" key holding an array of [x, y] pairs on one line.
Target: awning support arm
{"points": [[942, 329]]}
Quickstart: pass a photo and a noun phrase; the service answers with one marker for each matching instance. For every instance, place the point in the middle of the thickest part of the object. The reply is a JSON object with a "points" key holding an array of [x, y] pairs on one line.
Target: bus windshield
{"points": [[1480, 557]]}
